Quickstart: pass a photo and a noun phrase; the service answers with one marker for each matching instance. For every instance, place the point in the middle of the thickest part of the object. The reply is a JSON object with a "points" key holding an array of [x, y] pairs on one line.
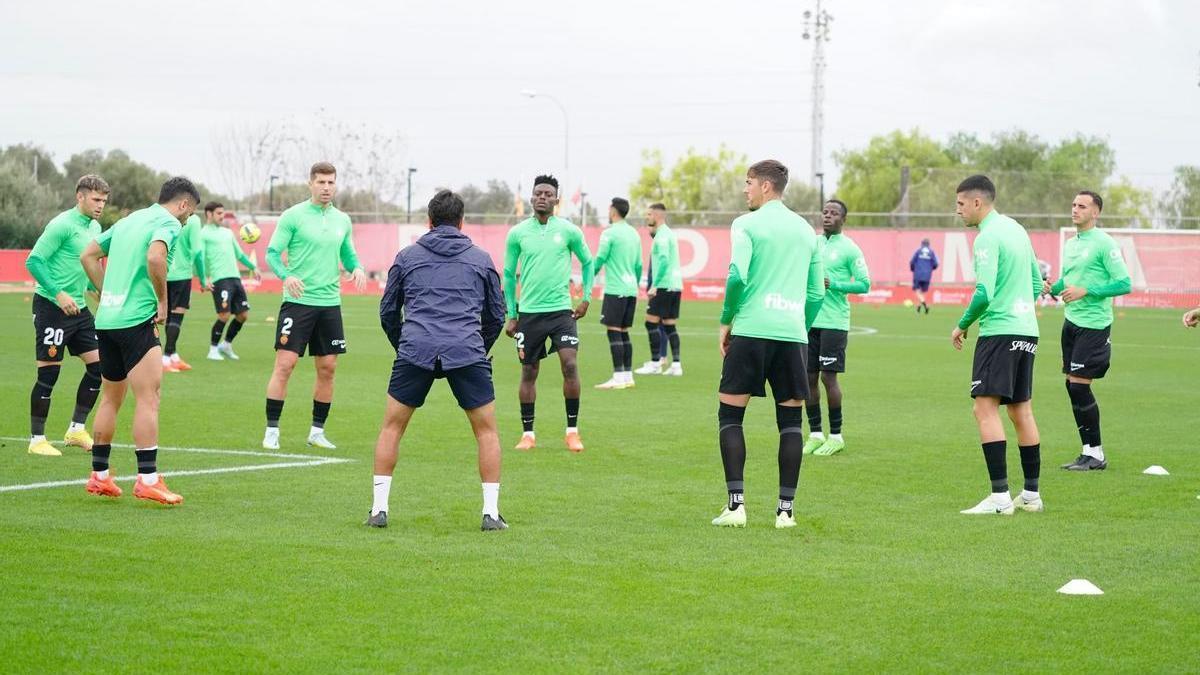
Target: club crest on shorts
{"points": [[283, 339], [53, 351]]}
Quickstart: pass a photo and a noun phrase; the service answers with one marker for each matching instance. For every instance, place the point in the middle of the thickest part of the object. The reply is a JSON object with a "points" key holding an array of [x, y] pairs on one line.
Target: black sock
{"points": [[174, 323], [274, 412], [672, 339], [835, 420], [616, 346], [733, 450], [234, 327], [218, 327], [1087, 412], [527, 417], [1031, 465], [572, 413], [628, 351], [655, 341], [814, 417], [790, 422], [39, 398], [147, 460], [85, 396], [993, 454], [100, 453], [320, 413]]}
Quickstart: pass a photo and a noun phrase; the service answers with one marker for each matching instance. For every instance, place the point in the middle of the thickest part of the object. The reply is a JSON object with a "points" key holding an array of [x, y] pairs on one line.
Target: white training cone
{"points": [[270, 319], [1155, 470], [1080, 587]]}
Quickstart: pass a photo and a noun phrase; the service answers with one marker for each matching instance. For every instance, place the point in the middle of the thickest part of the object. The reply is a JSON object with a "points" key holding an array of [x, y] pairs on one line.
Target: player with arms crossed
{"points": [[316, 236], [620, 250], [133, 303], [774, 291], [540, 247], [1007, 283], [229, 295], [664, 289]]}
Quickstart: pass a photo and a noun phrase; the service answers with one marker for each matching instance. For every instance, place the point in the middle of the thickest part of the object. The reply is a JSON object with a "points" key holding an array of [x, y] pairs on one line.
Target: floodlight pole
{"points": [[816, 28], [271, 193], [530, 93], [408, 184]]}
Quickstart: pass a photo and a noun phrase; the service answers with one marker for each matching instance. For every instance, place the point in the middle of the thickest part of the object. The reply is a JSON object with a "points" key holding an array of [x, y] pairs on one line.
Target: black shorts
{"points": [[534, 329], [665, 304], [617, 311], [472, 385], [1003, 367], [317, 328], [920, 285], [1086, 351], [827, 350], [229, 295], [123, 348], [753, 362], [179, 294], [54, 331]]}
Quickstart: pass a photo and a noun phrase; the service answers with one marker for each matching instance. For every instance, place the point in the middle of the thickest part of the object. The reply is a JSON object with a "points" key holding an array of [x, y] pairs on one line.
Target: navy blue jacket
{"points": [[923, 263], [443, 300]]}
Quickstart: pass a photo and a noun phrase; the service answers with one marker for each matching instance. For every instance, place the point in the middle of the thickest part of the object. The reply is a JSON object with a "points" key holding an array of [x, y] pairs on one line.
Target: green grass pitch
{"points": [[611, 563]]}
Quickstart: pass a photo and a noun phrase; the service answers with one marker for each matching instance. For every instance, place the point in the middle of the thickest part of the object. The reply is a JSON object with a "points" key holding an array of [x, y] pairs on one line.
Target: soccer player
{"points": [[133, 302], [187, 259], [620, 251], [61, 319], [774, 291], [1007, 284], [1093, 274], [442, 310], [315, 235], [845, 272], [924, 261], [541, 247], [664, 289], [229, 295]]}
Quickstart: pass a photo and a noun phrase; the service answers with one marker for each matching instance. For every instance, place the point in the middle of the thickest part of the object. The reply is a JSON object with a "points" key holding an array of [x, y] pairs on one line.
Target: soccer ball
{"points": [[908, 303], [249, 232]]}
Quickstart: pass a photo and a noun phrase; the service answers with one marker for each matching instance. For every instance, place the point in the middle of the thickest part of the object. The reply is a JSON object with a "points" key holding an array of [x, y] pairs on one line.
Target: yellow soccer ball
{"points": [[249, 232], [908, 303]]}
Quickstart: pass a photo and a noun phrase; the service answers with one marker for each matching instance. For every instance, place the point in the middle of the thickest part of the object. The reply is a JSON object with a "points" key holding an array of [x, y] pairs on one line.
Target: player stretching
{"points": [[1007, 282], [664, 290], [845, 272], [620, 251], [133, 301], [61, 319], [229, 295], [315, 235], [541, 246], [1093, 274], [774, 291]]}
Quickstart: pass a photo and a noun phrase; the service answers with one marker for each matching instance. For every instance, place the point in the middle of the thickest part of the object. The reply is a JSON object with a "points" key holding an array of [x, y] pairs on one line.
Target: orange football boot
{"points": [[105, 488], [180, 364], [574, 443], [527, 442], [159, 492]]}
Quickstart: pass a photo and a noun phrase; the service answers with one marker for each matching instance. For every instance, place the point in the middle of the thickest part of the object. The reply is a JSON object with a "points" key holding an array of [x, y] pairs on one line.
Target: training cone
{"points": [[1156, 470], [270, 319], [1080, 587]]}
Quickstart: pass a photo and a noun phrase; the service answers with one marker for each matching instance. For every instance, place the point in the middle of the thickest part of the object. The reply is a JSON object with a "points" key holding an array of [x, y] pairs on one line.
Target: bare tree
{"points": [[247, 155]]}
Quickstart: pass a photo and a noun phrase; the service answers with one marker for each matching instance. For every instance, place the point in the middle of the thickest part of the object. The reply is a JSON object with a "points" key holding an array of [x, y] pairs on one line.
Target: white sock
{"points": [[37, 439], [1001, 497], [313, 431], [102, 475], [572, 430], [149, 478], [383, 488], [835, 437], [627, 375], [175, 358], [817, 434], [491, 499], [527, 433], [166, 360], [1030, 496], [1095, 451], [75, 426], [224, 344]]}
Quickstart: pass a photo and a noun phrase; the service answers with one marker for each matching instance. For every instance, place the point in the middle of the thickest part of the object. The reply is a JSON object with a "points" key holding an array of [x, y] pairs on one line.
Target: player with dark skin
{"points": [[832, 221]]}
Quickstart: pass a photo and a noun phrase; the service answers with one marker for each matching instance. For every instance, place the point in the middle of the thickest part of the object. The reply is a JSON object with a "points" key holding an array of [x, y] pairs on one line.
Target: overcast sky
{"points": [[160, 79]]}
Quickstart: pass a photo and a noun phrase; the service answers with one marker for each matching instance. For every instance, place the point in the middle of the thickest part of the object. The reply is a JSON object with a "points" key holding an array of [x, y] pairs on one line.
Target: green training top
{"points": [[1092, 260], [543, 253], [1007, 280], [621, 251], [846, 269], [54, 260], [314, 239], [775, 274], [220, 248], [664, 260], [188, 257], [128, 297]]}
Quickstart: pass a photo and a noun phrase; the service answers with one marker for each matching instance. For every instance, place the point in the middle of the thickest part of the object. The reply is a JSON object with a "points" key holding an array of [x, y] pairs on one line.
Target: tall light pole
{"points": [[816, 28], [271, 193], [408, 181], [530, 93]]}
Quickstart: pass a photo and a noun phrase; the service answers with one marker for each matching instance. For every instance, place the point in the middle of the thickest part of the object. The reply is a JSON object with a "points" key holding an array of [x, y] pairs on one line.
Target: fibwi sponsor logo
{"points": [[112, 299], [1023, 346], [827, 360], [569, 339], [338, 343], [1077, 366], [779, 303]]}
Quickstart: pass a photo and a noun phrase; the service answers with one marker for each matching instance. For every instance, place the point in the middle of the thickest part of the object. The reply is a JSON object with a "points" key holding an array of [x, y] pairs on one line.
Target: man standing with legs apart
{"points": [[924, 262], [1093, 274], [229, 295], [61, 319], [442, 310], [665, 291], [187, 259], [541, 246], [1007, 283], [133, 303], [316, 236], [621, 251], [774, 292], [845, 272]]}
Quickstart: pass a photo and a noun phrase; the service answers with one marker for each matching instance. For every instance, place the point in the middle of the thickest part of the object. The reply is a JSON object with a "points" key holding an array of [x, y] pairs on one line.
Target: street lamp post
{"points": [[411, 171], [271, 193], [530, 93], [821, 183]]}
